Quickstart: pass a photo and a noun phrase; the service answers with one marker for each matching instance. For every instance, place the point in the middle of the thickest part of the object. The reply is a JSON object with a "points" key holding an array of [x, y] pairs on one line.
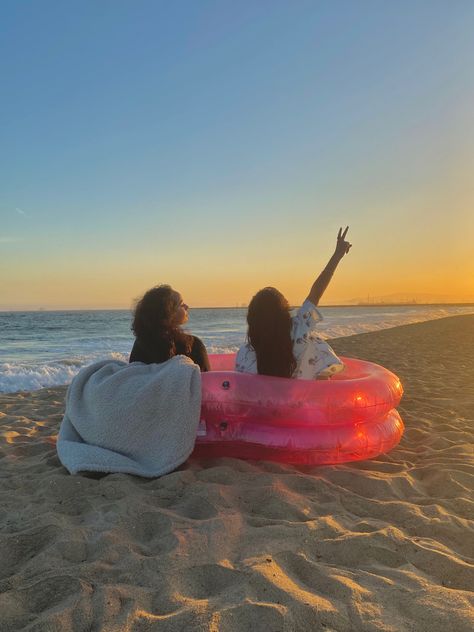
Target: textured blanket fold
{"points": [[136, 418]]}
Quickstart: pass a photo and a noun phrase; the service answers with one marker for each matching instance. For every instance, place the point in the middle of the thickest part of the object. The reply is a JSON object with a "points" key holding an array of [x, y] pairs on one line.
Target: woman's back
{"points": [[141, 352], [313, 356]]}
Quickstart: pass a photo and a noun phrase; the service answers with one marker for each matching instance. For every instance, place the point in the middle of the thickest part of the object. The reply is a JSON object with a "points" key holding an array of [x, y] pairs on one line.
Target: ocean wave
{"points": [[339, 327], [30, 376], [221, 349]]}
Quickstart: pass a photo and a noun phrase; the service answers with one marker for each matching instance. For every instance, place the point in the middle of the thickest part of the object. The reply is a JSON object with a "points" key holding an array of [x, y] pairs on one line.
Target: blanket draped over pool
{"points": [[136, 418]]}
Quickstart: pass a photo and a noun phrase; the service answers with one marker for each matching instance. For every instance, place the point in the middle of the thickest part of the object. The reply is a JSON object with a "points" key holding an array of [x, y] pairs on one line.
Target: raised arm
{"points": [[321, 283]]}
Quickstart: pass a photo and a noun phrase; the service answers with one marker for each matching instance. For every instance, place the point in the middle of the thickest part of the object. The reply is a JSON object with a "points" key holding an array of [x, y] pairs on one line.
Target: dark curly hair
{"points": [[269, 333], [153, 324]]}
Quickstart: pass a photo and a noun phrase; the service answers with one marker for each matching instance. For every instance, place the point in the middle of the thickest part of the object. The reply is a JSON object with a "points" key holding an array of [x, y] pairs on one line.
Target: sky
{"points": [[218, 146]]}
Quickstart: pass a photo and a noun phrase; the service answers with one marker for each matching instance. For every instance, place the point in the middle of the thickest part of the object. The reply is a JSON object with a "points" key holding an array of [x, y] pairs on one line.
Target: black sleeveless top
{"points": [[198, 354]]}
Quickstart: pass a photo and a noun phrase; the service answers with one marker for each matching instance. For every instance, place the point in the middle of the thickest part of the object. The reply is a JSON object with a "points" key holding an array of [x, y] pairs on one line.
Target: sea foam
{"points": [[22, 376]]}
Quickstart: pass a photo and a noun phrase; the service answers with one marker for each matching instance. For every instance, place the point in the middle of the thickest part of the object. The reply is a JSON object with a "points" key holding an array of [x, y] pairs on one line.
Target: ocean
{"points": [[43, 349]]}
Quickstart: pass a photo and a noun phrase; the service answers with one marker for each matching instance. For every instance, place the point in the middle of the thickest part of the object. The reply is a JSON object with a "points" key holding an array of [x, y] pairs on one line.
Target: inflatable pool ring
{"points": [[350, 417]]}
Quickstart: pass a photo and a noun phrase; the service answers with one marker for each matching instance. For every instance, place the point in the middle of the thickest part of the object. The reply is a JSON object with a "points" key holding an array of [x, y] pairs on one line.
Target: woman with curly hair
{"points": [[157, 322], [285, 346]]}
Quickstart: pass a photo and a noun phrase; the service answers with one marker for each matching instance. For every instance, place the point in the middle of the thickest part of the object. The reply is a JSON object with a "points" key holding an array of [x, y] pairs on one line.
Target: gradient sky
{"points": [[218, 146]]}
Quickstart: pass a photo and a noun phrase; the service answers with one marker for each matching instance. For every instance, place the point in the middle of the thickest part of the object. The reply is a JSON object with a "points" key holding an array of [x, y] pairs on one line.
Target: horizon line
{"points": [[122, 309]]}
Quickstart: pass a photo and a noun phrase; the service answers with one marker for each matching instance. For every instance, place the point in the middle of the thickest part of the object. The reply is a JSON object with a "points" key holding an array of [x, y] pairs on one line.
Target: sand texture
{"points": [[386, 544]]}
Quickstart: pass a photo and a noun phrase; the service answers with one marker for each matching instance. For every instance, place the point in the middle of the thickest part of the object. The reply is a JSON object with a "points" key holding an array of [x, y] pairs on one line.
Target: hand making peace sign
{"points": [[342, 246]]}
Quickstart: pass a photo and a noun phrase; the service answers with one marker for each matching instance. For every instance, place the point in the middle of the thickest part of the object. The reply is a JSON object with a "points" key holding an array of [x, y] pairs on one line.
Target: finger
{"points": [[339, 233], [345, 232], [349, 246]]}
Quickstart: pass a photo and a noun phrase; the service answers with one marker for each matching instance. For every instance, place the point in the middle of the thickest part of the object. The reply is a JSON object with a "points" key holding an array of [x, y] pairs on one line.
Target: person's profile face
{"points": [[181, 313]]}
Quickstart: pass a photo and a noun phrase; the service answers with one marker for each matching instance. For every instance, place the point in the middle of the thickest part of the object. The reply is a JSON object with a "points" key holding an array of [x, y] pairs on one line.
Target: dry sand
{"points": [[230, 545]]}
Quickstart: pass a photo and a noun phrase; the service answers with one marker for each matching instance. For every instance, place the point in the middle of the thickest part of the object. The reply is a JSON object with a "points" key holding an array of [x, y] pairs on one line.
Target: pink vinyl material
{"points": [[350, 417]]}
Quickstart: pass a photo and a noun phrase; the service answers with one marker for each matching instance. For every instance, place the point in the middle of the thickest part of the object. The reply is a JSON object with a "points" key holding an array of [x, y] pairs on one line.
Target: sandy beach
{"points": [[229, 545]]}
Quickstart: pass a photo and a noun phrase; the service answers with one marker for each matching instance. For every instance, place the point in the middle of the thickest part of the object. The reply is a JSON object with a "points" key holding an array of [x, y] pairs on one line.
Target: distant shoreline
{"points": [[122, 309]]}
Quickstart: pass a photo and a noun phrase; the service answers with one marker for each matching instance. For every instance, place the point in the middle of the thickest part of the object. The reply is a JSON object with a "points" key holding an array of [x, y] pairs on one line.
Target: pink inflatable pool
{"points": [[350, 417]]}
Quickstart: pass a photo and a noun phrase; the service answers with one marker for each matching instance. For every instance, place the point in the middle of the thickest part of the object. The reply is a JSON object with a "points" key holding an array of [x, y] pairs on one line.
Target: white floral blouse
{"points": [[314, 357]]}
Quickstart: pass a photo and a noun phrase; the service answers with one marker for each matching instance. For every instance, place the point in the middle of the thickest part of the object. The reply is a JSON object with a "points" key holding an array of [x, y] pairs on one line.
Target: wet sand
{"points": [[385, 544]]}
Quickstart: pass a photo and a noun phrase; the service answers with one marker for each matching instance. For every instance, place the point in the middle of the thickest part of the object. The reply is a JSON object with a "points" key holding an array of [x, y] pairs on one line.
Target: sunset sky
{"points": [[218, 146]]}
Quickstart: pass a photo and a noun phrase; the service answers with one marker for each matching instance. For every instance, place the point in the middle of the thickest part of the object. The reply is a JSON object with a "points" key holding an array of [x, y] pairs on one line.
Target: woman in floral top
{"points": [[282, 346]]}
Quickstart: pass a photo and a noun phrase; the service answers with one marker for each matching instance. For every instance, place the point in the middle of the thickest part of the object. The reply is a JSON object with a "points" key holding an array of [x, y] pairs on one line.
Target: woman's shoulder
{"points": [[246, 359], [245, 348], [307, 316], [198, 353], [140, 353], [309, 311], [197, 342]]}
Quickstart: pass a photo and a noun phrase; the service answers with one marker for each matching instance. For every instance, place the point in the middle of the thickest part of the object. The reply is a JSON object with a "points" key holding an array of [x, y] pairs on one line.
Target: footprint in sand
{"points": [[206, 581], [195, 507], [152, 532], [52, 592], [18, 548], [270, 616]]}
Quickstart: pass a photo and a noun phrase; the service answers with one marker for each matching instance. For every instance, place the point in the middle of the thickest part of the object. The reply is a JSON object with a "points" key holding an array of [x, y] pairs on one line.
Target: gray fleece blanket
{"points": [[136, 418]]}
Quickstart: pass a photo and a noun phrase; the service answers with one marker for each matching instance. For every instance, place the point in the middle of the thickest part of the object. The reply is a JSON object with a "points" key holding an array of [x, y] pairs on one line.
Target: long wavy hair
{"points": [[153, 324], [269, 333]]}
